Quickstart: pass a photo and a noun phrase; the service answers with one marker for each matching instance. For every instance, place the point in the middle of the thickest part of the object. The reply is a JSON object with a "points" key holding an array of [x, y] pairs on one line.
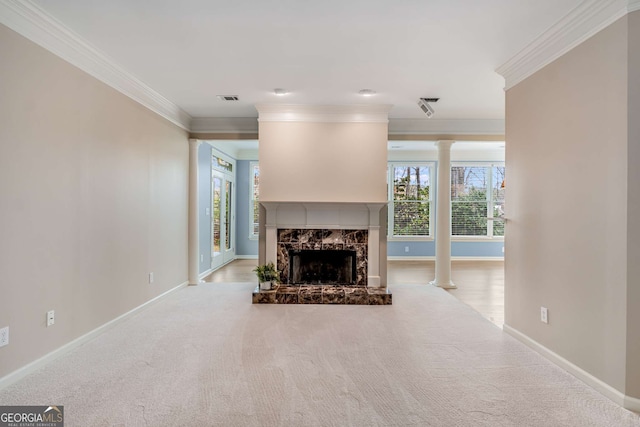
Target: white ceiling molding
{"points": [[324, 113], [27, 19], [446, 126], [224, 125], [584, 21]]}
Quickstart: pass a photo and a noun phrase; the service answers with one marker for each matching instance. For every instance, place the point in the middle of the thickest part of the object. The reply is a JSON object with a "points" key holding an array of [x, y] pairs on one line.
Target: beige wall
{"points": [[93, 189], [633, 237], [323, 162], [566, 239]]}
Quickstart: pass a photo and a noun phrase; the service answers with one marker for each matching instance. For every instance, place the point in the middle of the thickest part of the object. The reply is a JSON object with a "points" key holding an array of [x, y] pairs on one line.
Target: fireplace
{"points": [[322, 267], [341, 254]]}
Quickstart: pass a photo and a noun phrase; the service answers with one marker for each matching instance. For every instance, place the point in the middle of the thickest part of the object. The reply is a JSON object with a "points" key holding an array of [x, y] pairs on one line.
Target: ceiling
{"points": [[323, 52]]}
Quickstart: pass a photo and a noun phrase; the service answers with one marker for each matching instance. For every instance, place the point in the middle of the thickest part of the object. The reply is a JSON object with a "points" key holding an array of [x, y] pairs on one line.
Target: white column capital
{"points": [[444, 144]]}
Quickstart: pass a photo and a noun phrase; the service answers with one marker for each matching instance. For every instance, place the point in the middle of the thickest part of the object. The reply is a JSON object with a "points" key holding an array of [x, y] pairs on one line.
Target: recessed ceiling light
{"points": [[280, 92], [367, 92]]}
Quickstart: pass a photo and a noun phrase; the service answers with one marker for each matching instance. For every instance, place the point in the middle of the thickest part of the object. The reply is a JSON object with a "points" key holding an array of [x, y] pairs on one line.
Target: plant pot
{"points": [[265, 286]]}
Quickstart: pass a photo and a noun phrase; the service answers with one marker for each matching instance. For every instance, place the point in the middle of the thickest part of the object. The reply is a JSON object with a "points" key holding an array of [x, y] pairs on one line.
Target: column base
{"points": [[449, 285], [373, 282]]}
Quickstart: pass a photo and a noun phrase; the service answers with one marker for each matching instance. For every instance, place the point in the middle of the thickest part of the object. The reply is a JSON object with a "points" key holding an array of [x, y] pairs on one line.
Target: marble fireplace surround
{"points": [[311, 239], [325, 225]]}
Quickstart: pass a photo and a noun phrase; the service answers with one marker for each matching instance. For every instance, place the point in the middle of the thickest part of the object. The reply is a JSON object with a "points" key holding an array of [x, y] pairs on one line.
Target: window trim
{"points": [[432, 201]]}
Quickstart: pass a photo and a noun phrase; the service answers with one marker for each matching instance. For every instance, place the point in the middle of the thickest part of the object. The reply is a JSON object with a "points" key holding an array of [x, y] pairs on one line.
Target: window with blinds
{"points": [[477, 198], [410, 200], [254, 207]]}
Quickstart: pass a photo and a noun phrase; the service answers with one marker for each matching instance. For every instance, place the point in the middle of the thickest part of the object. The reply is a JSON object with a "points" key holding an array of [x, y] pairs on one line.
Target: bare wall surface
{"points": [[323, 162], [633, 239], [93, 189], [566, 158]]}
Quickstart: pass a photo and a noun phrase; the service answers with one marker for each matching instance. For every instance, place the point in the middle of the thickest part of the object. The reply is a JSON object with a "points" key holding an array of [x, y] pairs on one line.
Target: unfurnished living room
{"points": [[337, 213]]}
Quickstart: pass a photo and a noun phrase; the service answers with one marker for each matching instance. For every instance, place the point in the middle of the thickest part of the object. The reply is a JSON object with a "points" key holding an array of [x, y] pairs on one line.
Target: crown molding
{"points": [[446, 126], [324, 113], [249, 125], [588, 18], [29, 20], [237, 125]]}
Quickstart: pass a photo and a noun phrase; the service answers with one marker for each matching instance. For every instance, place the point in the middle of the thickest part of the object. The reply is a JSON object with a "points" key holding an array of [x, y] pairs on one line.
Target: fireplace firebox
{"points": [[322, 267]]}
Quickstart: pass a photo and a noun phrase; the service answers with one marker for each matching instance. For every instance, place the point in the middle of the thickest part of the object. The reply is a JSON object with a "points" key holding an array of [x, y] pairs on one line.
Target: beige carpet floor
{"points": [[205, 356]]}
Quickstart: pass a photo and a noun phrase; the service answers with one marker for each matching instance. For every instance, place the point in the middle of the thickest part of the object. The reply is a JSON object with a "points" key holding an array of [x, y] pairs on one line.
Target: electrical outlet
{"points": [[150, 277], [406, 248], [51, 318], [544, 315], [4, 336]]}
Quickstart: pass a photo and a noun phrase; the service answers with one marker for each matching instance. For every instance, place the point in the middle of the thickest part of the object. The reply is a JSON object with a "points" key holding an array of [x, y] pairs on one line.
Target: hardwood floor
{"points": [[480, 283]]}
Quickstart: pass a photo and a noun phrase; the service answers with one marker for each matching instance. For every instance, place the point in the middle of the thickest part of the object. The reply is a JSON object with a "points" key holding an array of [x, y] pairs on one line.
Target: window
{"points": [[254, 208], [477, 197], [410, 200], [221, 164]]}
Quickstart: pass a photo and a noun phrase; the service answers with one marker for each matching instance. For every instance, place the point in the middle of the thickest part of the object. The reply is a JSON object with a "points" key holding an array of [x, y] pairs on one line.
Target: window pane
{"points": [[410, 200], [411, 218], [227, 242], [255, 197], [498, 200], [469, 201], [217, 202], [411, 183]]}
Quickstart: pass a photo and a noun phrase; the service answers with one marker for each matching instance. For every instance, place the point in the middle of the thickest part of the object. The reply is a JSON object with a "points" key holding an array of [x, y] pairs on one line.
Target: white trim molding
{"points": [[324, 113], [600, 386], [446, 126], [224, 125], [453, 258], [588, 18], [17, 375], [29, 20]]}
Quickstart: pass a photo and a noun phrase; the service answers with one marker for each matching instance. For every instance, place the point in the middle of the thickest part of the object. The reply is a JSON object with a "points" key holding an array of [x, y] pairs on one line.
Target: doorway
{"points": [[223, 212]]}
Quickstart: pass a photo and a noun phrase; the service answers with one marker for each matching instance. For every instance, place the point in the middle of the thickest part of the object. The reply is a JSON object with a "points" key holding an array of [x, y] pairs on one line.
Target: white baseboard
{"points": [[61, 351], [246, 256], [455, 258], [205, 274], [600, 386]]}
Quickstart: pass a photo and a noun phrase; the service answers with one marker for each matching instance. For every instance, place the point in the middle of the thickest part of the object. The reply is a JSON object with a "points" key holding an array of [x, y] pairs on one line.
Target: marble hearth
{"points": [[323, 294]]}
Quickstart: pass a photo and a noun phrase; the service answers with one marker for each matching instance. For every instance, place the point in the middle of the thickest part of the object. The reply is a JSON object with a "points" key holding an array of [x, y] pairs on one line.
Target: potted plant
{"points": [[267, 275]]}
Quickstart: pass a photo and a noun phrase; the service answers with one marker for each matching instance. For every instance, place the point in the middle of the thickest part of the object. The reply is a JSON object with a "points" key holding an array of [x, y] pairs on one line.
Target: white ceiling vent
{"points": [[227, 97]]}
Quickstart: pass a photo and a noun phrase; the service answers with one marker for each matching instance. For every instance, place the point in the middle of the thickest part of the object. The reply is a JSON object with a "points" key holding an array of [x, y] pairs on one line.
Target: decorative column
{"points": [[271, 232], [443, 217], [373, 247], [194, 243]]}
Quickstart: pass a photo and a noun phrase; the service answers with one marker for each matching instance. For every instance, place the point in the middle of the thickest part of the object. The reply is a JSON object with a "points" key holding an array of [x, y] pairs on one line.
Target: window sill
{"points": [[410, 239], [477, 239]]}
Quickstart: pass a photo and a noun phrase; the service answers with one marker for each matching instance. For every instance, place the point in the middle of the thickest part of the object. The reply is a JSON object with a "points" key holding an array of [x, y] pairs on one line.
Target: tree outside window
{"points": [[477, 197], [410, 205]]}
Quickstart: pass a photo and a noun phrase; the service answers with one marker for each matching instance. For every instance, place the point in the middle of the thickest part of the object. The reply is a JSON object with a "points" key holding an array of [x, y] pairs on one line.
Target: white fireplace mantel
{"points": [[326, 215]]}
